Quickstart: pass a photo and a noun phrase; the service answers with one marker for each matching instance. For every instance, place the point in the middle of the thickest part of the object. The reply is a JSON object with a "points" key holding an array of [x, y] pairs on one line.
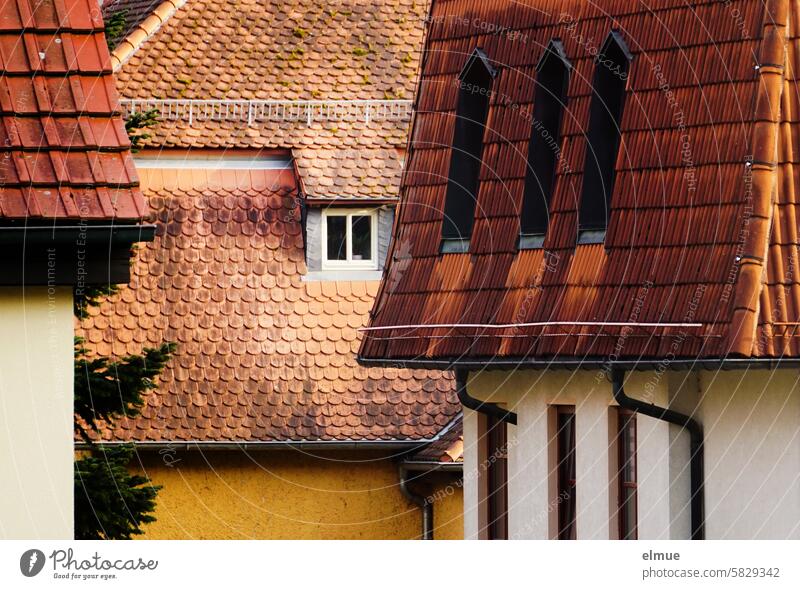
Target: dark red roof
{"points": [[700, 257], [66, 154]]}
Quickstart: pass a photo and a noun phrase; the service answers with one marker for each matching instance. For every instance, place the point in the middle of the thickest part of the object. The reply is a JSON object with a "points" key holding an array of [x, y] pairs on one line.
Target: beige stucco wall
{"points": [[533, 503], [751, 424], [472, 525], [289, 495], [36, 406]]}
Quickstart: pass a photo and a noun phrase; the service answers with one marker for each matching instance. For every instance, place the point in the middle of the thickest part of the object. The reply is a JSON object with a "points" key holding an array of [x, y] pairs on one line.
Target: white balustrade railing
{"points": [[279, 111]]}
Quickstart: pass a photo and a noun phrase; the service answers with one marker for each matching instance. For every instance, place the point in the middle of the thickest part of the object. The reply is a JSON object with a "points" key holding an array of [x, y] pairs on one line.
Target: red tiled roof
{"points": [[135, 11], [332, 50], [349, 173], [449, 447], [243, 49], [261, 353], [704, 234], [67, 155], [289, 50]]}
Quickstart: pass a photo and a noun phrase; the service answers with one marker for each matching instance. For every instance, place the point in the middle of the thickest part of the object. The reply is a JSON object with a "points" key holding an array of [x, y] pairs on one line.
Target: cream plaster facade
{"points": [[751, 423], [36, 409]]}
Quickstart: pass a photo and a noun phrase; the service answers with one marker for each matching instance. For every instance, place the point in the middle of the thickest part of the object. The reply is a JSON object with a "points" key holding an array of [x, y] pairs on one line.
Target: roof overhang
{"points": [[601, 363], [428, 467], [356, 201], [73, 255], [402, 446]]}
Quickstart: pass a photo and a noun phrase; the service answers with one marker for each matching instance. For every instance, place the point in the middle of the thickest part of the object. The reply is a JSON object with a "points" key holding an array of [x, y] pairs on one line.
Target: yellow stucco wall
{"points": [[448, 508], [286, 495], [36, 406]]}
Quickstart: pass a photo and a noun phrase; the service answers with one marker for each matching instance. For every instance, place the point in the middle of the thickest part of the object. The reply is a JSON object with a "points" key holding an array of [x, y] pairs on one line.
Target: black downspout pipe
{"points": [[480, 406], [697, 502], [422, 502]]}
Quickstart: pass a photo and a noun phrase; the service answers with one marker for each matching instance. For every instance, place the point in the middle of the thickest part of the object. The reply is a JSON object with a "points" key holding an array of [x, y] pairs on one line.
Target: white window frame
{"points": [[350, 263]]}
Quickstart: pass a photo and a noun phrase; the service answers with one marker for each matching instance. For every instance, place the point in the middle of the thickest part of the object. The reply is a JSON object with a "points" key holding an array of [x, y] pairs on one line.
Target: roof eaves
{"points": [[351, 200], [408, 444], [143, 31], [426, 466], [582, 363]]}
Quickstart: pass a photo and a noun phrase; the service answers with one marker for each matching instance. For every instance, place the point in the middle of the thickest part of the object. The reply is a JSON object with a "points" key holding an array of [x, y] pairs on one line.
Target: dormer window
{"points": [[544, 148], [602, 146], [346, 242], [472, 110], [349, 239]]}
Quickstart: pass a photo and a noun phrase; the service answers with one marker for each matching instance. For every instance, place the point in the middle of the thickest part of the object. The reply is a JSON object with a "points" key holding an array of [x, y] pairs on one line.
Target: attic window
{"points": [[602, 146], [349, 239], [472, 110], [544, 148]]}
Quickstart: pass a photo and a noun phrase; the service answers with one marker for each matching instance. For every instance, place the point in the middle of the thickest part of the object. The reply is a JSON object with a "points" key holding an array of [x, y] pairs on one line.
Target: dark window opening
{"points": [[337, 237], [603, 139], [362, 237], [565, 439], [472, 110], [497, 476], [627, 479], [544, 148]]}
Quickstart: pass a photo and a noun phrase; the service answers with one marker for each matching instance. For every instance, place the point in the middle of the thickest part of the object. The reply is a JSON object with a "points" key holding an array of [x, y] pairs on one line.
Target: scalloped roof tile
{"points": [[261, 353], [300, 50]]}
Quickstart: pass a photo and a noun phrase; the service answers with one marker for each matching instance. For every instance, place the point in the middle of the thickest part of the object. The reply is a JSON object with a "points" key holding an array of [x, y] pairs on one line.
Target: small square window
{"points": [[349, 239]]}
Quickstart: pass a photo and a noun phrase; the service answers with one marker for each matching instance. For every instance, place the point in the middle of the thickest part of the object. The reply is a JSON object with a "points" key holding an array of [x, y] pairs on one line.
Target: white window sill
{"points": [[342, 274]]}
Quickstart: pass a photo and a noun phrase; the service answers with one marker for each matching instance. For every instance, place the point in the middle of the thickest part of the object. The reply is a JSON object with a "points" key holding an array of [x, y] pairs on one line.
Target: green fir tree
{"points": [[110, 502]]}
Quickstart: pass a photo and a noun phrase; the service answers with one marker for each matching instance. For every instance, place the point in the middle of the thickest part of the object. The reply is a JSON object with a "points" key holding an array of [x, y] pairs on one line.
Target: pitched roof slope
{"points": [[336, 50], [297, 50], [66, 152], [261, 354], [448, 448], [700, 255]]}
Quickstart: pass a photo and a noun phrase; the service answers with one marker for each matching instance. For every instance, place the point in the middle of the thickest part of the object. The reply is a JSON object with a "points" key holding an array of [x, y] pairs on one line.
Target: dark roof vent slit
{"points": [[602, 146], [544, 148], [472, 110]]}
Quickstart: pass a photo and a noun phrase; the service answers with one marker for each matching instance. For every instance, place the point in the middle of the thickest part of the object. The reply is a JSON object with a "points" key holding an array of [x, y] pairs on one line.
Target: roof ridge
{"points": [[763, 179], [143, 31]]}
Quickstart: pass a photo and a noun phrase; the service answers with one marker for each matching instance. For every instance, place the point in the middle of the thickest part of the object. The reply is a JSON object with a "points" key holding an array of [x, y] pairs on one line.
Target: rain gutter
{"points": [[696, 501], [490, 409], [588, 363]]}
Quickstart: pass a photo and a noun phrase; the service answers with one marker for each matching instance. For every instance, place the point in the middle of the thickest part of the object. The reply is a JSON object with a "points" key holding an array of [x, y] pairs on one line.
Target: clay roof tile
{"points": [[57, 97], [251, 365], [701, 192]]}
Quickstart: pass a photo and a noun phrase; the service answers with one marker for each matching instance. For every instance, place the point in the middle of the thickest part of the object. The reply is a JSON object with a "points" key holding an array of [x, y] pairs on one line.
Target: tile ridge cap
{"points": [[763, 167], [143, 31]]}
